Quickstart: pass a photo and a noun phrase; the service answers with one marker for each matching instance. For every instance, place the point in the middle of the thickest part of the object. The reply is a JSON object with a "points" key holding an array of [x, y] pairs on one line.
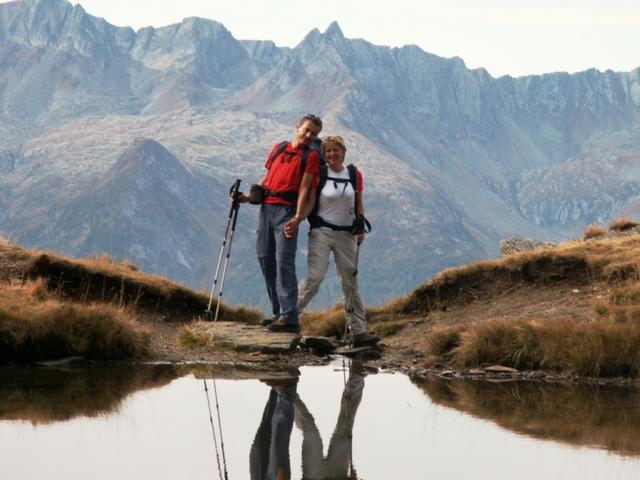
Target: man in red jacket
{"points": [[292, 173]]}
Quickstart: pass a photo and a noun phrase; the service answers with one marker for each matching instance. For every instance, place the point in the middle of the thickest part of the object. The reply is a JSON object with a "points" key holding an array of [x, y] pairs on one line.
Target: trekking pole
{"points": [[224, 458], [232, 212], [350, 299], [226, 260], [213, 430]]}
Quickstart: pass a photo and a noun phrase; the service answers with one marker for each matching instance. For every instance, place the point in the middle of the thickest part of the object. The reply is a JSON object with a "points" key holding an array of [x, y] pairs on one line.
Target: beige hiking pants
{"points": [[323, 241]]}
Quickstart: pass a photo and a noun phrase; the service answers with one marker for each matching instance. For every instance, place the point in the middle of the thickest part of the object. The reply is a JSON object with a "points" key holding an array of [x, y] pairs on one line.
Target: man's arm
{"points": [[303, 206]]}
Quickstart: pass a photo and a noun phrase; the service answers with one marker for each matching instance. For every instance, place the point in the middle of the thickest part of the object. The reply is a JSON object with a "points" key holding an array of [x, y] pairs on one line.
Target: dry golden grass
{"points": [[87, 307], [192, 337], [608, 345], [622, 224], [328, 323], [36, 326], [597, 349], [628, 294], [593, 231], [442, 341]]}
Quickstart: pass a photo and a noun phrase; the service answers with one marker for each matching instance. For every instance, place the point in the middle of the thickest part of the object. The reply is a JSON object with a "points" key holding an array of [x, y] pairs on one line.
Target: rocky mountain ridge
{"points": [[454, 159]]}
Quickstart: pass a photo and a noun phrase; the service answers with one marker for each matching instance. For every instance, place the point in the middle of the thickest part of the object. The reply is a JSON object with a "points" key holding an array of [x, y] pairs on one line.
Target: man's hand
{"points": [[291, 227], [242, 198]]}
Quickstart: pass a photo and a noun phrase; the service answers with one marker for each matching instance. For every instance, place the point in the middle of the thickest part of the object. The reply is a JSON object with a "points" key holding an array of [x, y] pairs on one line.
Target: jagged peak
{"points": [[334, 30], [311, 38]]}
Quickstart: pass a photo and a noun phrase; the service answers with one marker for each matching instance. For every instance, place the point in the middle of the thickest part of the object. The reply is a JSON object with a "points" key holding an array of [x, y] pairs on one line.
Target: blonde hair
{"points": [[336, 140]]}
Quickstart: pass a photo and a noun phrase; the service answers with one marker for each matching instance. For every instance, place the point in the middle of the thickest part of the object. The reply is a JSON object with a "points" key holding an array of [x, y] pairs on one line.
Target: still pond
{"points": [[342, 420]]}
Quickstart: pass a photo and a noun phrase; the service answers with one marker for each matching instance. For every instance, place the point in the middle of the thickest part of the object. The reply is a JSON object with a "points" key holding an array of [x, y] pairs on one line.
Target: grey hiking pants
{"points": [[323, 241], [277, 258]]}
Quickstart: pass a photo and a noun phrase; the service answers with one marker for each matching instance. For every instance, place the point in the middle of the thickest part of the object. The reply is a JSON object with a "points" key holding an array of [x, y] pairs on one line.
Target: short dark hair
{"points": [[313, 119]]}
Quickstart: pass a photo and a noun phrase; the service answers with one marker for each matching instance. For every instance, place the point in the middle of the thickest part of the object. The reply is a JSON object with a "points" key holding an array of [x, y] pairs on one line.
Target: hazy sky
{"points": [[515, 37]]}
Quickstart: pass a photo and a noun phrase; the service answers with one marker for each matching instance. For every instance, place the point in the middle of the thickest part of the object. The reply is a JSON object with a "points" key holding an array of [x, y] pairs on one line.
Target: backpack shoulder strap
{"points": [[353, 179], [277, 153], [353, 176], [303, 161], [324, 173], [313, 216]]}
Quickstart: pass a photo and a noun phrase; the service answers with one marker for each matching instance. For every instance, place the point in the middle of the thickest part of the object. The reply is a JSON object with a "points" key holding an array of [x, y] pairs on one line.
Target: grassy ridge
{"points": [[576, 262], [598, 349], [102, 279], [607, 344], [36, 326], [52, 307]]}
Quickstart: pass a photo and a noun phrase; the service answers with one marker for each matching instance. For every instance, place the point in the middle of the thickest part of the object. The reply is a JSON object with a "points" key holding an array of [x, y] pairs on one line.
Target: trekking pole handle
{"points": [[234, 193], [235, 219]]}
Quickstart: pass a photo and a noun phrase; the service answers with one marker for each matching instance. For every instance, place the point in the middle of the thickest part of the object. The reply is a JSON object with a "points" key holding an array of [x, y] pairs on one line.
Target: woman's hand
{"points": [[360, 238], [291, 227]]}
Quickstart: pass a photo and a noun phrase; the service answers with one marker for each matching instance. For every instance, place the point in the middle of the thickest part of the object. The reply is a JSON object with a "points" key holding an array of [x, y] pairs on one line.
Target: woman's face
{"points": [[334, 155]]}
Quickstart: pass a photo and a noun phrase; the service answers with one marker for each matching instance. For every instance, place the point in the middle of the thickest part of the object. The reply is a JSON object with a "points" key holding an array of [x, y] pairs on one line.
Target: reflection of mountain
{"points": [[604, 417], [41, 395], [454, 160]]}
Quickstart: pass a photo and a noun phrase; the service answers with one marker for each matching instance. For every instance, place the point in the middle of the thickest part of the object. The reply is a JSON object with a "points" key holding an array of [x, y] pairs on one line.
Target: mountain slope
{"points": [[454, 160]]}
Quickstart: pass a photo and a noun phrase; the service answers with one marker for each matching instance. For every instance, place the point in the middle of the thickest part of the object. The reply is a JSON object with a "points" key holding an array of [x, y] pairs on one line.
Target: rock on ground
{"points": [[519, 244], [248, 338]]}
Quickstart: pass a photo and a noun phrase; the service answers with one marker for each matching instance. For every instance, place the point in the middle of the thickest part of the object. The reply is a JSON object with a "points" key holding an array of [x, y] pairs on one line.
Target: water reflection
{"points": [[338, 462], [45, 395], [590, 415], [311, 423], [269, 457]]}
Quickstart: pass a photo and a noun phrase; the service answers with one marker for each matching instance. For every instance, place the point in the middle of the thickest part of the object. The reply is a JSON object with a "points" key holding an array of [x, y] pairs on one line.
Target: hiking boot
{"points": [[365, 339], [282, 326], [265, 322]]}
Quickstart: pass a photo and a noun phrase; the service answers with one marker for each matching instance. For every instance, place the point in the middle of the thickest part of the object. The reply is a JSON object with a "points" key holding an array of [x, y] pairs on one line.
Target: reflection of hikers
{"points": [[339, 207], [336, 464], [269, 457], [285, 206]]}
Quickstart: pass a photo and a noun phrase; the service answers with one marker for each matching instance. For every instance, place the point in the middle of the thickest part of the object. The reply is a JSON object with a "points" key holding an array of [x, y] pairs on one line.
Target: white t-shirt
{"points": [[336, 204]]}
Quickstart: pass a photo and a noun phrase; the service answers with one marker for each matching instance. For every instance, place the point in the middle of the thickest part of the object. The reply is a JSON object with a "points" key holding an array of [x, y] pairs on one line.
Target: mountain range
{"points": [[126, 142]]}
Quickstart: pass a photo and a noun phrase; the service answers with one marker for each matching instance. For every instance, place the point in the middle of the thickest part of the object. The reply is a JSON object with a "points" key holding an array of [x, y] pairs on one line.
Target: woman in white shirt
{"points": [[338, 205]]}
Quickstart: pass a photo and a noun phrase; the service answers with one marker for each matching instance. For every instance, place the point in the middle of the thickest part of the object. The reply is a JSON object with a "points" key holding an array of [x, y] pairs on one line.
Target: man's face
{"points": [[306, 132]]}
